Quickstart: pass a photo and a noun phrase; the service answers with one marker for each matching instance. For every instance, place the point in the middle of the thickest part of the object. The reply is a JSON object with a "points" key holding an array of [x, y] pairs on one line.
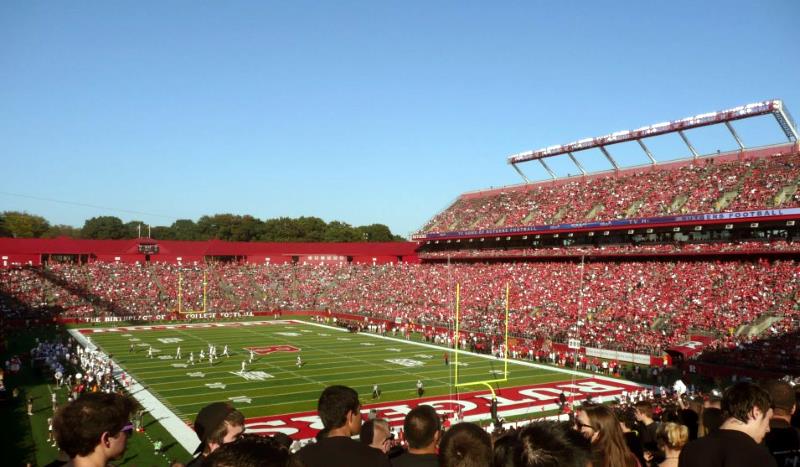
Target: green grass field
{"points": [[330, 356]]}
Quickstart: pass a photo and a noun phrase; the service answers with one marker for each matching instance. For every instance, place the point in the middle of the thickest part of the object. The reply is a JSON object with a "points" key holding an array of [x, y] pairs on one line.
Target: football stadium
{"points": [[631, 298], [599, 287]]}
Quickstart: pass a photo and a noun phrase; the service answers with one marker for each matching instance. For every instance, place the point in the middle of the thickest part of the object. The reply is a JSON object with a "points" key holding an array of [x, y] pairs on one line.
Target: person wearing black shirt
{"points": [[747, 410], [339, 410], [423, 430], [783, 440]]}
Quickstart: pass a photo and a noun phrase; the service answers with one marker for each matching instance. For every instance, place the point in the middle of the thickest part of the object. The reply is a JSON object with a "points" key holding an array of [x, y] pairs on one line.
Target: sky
{"points": [[363, 112]]}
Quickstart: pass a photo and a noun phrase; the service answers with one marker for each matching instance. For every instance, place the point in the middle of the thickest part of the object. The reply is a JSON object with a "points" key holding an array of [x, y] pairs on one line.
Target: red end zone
{"points": [[518, 400], [268, 349]]}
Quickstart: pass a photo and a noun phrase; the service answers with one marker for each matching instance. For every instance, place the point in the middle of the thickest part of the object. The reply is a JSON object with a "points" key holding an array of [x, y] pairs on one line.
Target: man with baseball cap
{"points": [[215, 425]]}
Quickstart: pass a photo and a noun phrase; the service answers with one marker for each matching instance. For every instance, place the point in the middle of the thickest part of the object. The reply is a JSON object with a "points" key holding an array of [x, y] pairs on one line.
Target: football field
{"points": [[274, 385]]}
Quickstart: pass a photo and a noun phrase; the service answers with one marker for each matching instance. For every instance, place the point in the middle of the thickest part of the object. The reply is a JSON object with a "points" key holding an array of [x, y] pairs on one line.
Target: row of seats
{"points": [[745, 247], [705, 187], [637, 306]]}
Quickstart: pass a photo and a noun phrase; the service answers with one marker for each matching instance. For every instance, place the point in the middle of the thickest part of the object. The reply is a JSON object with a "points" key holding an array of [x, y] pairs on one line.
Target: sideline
{"points": [[183, 434], [538, 366]]}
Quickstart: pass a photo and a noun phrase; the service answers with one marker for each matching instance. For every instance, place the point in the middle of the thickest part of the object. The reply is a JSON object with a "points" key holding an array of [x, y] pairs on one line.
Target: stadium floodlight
{"points": [[776, 107], [457, 350]]}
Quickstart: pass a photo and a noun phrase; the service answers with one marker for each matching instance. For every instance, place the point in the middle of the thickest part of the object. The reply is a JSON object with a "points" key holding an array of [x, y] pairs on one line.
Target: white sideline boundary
{"points": [[538, 366], [179, 430], [187, 438]]}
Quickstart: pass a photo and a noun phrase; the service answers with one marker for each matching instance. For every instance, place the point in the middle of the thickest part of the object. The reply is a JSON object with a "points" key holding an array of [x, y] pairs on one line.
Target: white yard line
{"points": [[488, 357], [187, 438], [184, 435]]}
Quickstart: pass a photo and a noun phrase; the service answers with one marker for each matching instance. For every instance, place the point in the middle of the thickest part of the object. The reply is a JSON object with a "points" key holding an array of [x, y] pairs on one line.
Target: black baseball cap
{"points": [[209, 419]]}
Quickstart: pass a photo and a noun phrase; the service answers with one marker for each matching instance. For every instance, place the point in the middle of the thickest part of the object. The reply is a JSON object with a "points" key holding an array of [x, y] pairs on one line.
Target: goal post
{"points": [[457, 350], [180, 309]]}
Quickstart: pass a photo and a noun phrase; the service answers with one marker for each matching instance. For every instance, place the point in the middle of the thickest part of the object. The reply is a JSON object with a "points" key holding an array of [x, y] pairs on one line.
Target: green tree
{"points": [[24, 225], [222, 227], [312, 229], [184, 229], [246, 229], [4, 232], [161, 232], [341, 232], [132, 229], [104, 228], [62, 231], [281, 229], [375, 233]]}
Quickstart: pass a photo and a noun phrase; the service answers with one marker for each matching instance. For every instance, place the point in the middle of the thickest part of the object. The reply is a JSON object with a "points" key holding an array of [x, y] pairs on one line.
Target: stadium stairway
{"points": [[758, 326]]}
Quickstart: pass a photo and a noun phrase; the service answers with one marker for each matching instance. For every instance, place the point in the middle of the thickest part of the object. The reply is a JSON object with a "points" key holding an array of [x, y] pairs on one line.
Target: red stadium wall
{"points": [[8, 260], [21, 251]]}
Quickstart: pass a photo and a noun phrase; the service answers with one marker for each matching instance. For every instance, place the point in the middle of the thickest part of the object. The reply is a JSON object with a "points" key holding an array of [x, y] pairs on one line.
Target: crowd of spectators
{"points": [[746, 425], [705, 187], [662, 249], [636, 306]]}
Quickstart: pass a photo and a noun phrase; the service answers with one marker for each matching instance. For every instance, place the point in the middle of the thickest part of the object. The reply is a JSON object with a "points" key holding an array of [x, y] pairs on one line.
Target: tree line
{"points": [[229, 227]]}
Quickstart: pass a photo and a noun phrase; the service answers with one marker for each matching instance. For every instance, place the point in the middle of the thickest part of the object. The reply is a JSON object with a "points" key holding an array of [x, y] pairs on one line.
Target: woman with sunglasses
{"points": [[599, 425]]}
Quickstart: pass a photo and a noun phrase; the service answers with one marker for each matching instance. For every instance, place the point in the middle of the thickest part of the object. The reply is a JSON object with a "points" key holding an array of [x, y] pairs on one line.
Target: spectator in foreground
{"points": [[543, 444], [465, 445], [375, 434], [671, 438], [747, 411], [649, 427], [250, 450], [339, 410], [711, 420], [422, 428], [216, 424], [94, 428], [599, 425], [783, 440]]}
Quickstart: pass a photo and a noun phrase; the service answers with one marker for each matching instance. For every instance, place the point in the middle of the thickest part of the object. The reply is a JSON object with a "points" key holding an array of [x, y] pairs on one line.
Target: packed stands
{"points": [[662, 249], [704, 186], [633, 306]]}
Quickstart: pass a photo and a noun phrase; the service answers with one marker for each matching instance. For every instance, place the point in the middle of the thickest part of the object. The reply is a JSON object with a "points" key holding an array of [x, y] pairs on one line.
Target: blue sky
{"points": [[365, 112]]}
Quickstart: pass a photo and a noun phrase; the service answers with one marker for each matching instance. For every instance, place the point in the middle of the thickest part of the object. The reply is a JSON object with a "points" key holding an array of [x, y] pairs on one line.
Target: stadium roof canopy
{"points": [[603, 143]]}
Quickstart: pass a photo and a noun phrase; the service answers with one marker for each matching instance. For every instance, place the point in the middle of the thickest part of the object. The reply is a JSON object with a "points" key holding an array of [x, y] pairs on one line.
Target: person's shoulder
{"points": [[196, 461], [415, 460]]}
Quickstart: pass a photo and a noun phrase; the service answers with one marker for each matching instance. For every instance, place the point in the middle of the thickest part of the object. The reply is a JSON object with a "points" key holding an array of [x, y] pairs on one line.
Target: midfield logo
{"points": [[407, 362], [170, 340], [268, 349], [252, 375], [240, 399]]}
